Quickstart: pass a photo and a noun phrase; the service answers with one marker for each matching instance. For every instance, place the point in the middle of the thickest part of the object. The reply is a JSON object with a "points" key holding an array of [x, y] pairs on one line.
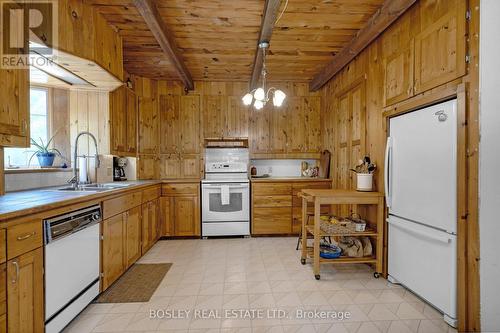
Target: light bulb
{"points": [[258, 104], [247, 99], [279, 98], [259, 94]]}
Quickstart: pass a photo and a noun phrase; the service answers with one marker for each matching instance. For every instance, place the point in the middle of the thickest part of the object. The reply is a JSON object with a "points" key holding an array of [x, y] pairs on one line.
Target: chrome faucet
{"points": [[75, 178]]}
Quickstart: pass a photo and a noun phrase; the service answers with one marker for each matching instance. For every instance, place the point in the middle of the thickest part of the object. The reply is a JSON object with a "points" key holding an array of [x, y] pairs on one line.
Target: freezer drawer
{"points": [[424, 260]]}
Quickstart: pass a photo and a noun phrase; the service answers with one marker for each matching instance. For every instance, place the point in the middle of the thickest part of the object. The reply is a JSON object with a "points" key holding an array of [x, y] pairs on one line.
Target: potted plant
{"points": [[44, 154], [364, 173]]}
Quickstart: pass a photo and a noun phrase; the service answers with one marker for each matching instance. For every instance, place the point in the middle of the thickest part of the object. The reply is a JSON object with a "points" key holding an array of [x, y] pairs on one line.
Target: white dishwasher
{"points": [[72, 247]]}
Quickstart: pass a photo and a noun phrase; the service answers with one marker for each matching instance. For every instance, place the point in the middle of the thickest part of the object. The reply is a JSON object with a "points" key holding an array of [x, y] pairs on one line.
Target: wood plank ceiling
{"points": [[217, 38]]}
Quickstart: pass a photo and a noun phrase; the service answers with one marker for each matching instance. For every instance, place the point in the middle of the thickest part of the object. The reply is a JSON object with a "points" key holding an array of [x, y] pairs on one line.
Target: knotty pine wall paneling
{"points": [[420, 57]]}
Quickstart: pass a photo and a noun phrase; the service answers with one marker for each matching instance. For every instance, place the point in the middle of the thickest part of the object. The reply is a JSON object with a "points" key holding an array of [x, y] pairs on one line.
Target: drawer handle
{"points": [[17, 271], [20, 238]]}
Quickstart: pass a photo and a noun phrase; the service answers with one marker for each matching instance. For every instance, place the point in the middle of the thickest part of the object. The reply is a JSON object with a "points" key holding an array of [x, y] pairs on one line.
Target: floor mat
{"points": [[137, 284]]}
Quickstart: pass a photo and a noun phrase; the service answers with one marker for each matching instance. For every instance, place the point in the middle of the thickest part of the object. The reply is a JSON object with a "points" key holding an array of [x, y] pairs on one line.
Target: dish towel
{"points": [[224, 195]]}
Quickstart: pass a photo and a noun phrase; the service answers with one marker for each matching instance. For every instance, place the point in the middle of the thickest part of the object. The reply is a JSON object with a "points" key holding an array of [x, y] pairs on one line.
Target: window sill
{"points": [[36, 170]]}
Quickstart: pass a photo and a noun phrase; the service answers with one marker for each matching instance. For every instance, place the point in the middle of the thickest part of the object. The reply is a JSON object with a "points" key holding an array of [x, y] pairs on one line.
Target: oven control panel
{"points": [[226, 167]]}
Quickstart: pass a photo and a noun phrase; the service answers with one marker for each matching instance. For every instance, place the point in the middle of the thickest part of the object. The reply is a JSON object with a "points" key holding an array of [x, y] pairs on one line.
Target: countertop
{"points": [[16, 204], [288, 179]]}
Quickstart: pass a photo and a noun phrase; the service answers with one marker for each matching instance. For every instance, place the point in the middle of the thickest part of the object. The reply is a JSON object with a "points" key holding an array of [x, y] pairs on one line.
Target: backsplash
{"points": [[30, 180], [280, 168]]}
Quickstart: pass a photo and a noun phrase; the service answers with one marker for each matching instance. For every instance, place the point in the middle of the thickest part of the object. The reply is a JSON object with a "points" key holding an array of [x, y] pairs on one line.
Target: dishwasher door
{"points": [[71, 267]]}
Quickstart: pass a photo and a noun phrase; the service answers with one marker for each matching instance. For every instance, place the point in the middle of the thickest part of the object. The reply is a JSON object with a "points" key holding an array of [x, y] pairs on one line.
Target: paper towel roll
{"points": [[82, 169]]}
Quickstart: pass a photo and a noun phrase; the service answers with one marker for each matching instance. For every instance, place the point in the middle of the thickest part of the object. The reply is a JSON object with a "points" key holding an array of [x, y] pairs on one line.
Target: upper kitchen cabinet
{"points": [[14, 108], [180, 124], [398, 56], [86, 42], [148, 125], [425, 49], [293, 128], [236, 118], [123, 114], [108, 49], [440, 47], [76, 33], [224, 117]]}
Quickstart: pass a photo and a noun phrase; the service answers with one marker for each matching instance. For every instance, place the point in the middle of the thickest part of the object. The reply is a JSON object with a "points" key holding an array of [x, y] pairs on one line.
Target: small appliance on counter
{"points": [[225, 196], [119, 164]]}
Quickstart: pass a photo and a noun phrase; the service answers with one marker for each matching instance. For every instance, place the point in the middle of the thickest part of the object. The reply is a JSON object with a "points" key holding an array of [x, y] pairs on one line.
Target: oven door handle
{"points": [[219, 187]]}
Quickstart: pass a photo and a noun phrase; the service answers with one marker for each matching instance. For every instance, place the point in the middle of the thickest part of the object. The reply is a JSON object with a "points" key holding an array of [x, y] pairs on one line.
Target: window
{"points": [[39, 129]]}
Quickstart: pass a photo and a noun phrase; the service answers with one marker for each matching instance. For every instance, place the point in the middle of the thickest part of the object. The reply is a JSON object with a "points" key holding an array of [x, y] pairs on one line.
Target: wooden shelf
{"points": [[367, 232], [344, 260]]}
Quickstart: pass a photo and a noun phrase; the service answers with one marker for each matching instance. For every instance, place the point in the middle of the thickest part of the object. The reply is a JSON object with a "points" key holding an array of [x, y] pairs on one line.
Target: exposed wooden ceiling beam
{"points": [[266, 30], [383, 18], [149, 11]]}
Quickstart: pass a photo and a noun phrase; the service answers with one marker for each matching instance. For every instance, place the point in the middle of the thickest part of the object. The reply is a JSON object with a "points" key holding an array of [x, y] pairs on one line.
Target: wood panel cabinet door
{"points": [[166, 216], [155, 214], [132, 239], [190, 166], [297, 134], [398, 61], [189, 129], [131, 133], [76, 28], [259, 130], [278, 135], [170, 166], [147, 167], [311, 108], [169, 124], [108, 49], [118, 110], [440, 47], [236, 118], [113, 264], [276, 220], [186, 216], [147, 231], [25, 293], [148, 126], [214, 110], [14, 108]]}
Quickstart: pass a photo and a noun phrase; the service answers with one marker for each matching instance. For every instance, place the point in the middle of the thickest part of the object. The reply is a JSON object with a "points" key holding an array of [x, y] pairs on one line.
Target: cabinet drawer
{"points": [[272, 189], [3, 245], [120, 204], [23, 238], [179, 189], [151, 194], [271, 221], [272, 201]]}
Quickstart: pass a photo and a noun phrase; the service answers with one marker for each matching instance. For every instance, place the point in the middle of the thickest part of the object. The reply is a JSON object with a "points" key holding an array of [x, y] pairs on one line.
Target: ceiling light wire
{"points": [[282, 12]]}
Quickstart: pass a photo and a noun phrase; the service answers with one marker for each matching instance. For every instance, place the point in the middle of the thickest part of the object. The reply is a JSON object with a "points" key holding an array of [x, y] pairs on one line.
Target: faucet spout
{"points": [[75, 155]]}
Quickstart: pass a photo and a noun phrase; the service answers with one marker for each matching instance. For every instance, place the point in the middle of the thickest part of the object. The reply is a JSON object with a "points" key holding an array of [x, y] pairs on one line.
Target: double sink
{"points": [[94, 187]]}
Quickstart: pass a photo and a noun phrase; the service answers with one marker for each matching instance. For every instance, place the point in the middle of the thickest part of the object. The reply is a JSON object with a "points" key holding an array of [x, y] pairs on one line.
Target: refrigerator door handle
{"points": [[442, 239], [387, 172]]}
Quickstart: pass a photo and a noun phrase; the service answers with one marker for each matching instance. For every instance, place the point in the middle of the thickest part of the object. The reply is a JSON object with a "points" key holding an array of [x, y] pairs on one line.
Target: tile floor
{"points": [[265, 274]]}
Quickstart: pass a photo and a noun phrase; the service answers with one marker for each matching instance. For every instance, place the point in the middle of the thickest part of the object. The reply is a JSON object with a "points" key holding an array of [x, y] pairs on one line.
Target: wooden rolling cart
{"points": [[374, 229]]}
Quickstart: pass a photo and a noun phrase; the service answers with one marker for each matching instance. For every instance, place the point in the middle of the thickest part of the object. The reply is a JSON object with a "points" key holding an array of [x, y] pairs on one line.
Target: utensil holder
{"points": [[364, 182]]}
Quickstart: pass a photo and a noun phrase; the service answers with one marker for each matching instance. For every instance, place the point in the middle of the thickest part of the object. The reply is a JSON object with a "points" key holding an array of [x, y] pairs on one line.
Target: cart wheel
{"points": [[317, 276], [376, 275], [303, 261]]}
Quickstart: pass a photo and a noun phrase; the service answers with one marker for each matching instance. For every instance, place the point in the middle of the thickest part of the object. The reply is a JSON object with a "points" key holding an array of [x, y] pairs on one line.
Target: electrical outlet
{"points": [[269, 170]]}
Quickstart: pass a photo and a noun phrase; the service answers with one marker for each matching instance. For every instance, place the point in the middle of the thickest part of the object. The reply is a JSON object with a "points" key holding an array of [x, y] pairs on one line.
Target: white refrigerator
{"points": [[421, 195]]}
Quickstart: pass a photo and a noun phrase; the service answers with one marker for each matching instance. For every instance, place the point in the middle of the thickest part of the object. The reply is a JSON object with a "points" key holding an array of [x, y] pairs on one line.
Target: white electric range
{"points": [[225, 193]]}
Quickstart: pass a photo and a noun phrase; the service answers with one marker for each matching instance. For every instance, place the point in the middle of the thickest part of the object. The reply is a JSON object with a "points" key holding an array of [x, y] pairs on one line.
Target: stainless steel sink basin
{"points": [[94, 187], [85, 189]]}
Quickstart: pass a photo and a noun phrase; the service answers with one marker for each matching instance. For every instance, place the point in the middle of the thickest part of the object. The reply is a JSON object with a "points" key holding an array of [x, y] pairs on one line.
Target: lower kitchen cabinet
{"points": [[132, 227], [25, 293], [276, 209], [180, 209], [112, 250], [151, 227], [3, 298]]}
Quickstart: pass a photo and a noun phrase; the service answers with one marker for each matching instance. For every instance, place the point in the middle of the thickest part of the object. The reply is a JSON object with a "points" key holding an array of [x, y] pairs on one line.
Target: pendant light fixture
{"points": [[260, 96]]}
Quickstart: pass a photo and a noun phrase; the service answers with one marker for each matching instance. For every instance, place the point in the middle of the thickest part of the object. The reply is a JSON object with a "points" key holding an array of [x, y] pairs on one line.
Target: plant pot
{"points": [[365, 182], [45, 159]]}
